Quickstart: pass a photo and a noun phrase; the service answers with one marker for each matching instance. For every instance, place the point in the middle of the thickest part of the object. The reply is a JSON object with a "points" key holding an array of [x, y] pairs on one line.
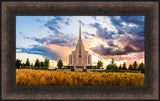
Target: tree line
{"points": [[112, 65], [42, 64]]}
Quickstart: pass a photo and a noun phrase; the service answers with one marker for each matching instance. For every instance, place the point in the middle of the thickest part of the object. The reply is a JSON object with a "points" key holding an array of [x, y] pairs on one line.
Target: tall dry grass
{"points": [[44, 77]]}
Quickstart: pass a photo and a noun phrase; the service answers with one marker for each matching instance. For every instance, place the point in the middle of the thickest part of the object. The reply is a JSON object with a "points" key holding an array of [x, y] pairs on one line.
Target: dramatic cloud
{"points": [[87, 35], [40, 50], [129, 37], [55, 23], [131, 47], [63, 51], [102, 32], [131, 24], [60, 39], [110, 43]]}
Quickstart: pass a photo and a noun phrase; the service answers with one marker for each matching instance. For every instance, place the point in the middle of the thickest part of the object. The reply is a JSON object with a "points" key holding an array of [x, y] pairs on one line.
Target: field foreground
{"points": [[45, 77]]}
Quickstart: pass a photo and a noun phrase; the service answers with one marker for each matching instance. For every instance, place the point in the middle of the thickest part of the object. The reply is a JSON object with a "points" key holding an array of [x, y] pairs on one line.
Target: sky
{"points": [[104, 37]]}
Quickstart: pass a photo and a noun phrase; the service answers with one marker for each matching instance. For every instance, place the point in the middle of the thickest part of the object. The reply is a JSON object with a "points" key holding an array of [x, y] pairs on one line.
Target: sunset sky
{"points": [[105, 37]]}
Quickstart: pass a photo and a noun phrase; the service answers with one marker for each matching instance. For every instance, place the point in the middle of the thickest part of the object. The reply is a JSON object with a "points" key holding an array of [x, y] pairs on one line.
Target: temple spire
{"points": [[79, 29]]}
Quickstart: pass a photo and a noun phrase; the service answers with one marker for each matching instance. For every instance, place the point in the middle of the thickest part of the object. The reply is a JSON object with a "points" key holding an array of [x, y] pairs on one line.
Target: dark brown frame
{"points": [[147, 9]]}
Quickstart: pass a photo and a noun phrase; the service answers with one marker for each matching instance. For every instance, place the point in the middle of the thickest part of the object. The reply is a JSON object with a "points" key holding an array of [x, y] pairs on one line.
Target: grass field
{"points": [[46, 77]]}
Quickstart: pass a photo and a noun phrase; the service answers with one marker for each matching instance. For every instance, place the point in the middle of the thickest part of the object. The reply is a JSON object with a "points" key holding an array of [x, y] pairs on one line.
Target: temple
{"points": [[80, 58]]}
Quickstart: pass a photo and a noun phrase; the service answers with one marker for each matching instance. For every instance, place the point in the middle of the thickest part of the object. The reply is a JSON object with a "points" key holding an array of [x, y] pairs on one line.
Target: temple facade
{"points": [[80, 58]]}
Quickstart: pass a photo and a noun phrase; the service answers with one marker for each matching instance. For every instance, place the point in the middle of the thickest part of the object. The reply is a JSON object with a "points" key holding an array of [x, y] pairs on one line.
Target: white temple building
{"points": [[80, 58]]}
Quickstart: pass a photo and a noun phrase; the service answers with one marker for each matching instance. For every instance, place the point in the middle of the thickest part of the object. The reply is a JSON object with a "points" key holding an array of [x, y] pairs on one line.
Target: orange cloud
{"points": [[63, 51]]}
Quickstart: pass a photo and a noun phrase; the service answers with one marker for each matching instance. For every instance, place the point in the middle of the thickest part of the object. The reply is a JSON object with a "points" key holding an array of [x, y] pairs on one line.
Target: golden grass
{"points": [[44, 77]]}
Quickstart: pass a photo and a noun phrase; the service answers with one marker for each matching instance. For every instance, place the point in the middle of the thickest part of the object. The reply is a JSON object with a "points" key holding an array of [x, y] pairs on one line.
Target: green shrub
{"points": [[110, 66]]}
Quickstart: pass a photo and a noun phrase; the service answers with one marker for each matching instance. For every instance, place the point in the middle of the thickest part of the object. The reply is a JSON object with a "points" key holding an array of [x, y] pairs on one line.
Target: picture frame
{"points": [[12, 9]]}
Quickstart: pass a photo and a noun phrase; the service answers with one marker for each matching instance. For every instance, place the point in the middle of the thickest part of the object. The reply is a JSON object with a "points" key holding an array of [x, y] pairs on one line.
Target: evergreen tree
{"points": [[46, 63], [18, 63], [37, 63], [115, 67], [124, 66], [27, 62], [60, 64], [130, 67], [41, 64], [141, 66], [135, 65], [99, 64], [120, 67]]}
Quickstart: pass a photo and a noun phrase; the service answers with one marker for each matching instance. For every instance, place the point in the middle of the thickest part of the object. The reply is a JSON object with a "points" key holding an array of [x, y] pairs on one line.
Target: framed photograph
{"points": [[80, 50]]}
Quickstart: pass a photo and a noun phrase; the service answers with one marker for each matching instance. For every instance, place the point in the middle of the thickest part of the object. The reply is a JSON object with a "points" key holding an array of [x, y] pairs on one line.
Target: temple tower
{"points": [[80, 58]]}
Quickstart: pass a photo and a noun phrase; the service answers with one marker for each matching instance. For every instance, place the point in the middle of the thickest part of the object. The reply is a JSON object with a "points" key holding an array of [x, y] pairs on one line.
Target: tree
{"points": [[115, 67], [120, 67], [135, 65], [99, 64], [130, 67], [60, 63], [112, 62], [141, 66], [31, 64], [41, 64], [37, 63], [27, 62], [112, 65], [109, 66], [18, 63], [46, 63], [124, 66], [23, 64]]}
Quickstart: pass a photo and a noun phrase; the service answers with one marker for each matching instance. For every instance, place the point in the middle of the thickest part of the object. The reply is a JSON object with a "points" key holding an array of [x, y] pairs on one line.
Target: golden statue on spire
{"points": [[80, 21]]}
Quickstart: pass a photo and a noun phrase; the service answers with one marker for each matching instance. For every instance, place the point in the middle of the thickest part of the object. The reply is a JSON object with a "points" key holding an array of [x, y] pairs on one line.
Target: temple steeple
{"points": [[80, 58], [79, 29]]}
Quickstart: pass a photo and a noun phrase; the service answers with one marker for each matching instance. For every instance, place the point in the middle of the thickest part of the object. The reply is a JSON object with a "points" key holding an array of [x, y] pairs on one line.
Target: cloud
{"points": [[40, 50], [40, 40], [63, 51], [102, 32], [137, 21], [138, 43], [87, 35], [133, 25], [132, 46], [110, 43], [59, 39], [55, 23], [83, 24], [129, 37]]}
